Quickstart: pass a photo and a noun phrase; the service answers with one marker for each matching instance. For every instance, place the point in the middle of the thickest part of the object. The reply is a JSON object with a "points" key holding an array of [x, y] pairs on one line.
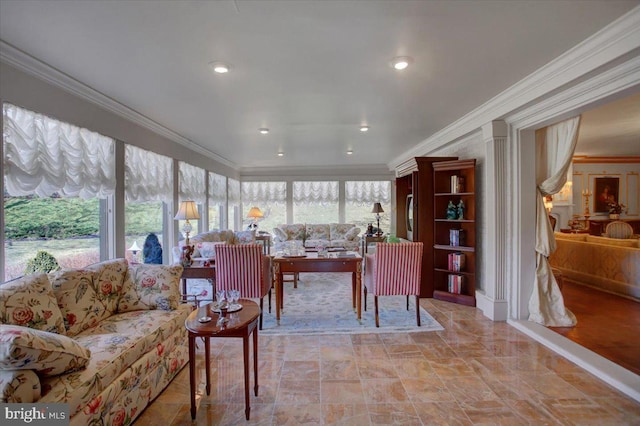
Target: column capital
{"points": [[495, 129]]}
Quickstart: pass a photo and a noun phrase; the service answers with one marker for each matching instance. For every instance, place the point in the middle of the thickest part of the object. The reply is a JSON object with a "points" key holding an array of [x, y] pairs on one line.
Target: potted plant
{"points": [[615, 209]]}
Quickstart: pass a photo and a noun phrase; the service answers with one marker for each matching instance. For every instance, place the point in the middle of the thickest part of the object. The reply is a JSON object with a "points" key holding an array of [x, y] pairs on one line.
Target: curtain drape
{"points": [[554, 151], [191, 183], [233, 191], [309, 192], [147, 176], [217, 189], [43, 156], [368, 192], [264, 192]]}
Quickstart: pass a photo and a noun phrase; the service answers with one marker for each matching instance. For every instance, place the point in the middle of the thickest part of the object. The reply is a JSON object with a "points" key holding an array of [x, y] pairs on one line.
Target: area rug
{"points": [[322, 305]]}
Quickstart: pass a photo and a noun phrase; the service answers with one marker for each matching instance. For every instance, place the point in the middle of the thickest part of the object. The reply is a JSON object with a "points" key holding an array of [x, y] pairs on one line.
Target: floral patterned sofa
{"points": [[206, 241], [105, 339], [312, 235]]}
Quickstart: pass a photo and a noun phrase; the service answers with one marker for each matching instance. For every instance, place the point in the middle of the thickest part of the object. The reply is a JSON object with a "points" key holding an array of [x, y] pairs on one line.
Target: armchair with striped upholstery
{"points": [[618, 229], [244, 267], [394, 269]]}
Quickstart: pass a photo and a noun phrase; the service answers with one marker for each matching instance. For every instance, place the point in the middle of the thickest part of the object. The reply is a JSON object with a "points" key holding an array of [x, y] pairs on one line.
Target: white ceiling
{"points": [[311, 71]]}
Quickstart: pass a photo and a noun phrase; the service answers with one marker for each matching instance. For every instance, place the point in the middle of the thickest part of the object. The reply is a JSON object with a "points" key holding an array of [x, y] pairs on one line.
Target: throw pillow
{"points": [[29, 301], [151, 287], [208, 250], [49, 354], [245, 237], [77, 299], [280, 234], [352, 234], [108, 282]]}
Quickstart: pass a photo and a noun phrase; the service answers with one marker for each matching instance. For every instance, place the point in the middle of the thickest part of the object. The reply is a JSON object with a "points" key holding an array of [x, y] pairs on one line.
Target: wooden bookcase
{"points": [[443, 193]]}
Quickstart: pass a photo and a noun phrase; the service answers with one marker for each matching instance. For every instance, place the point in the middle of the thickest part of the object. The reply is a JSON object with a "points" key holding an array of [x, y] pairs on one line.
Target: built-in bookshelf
{"points": [[454, 231]]}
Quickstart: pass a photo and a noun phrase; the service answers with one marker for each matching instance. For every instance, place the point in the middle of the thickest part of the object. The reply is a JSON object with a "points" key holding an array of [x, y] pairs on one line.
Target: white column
{"points": [[492, 300]]}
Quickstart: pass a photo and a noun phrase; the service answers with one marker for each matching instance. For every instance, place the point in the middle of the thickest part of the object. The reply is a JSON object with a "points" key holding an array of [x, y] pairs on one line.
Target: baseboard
{"points": [[495, 310], [620, 378]]}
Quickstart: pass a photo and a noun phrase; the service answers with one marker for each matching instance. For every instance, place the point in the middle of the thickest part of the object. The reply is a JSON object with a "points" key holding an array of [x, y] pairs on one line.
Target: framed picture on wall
{"points": [[606, 190]]}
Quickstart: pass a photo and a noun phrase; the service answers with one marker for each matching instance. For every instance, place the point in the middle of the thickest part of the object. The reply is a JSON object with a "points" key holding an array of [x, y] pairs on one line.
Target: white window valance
{"points": [[217, 188], [315, 192], [43, 156], [264, 192], [368, 192], [191, 183], [147, 176], [234, 191]]}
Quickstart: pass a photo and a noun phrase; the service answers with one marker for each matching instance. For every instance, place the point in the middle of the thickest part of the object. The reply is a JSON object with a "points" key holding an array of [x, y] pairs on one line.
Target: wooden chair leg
{"points": [[269, 300], [295, 279], [407, 302], [375, 302], [417, 308], [261, 303], [365, 298]]}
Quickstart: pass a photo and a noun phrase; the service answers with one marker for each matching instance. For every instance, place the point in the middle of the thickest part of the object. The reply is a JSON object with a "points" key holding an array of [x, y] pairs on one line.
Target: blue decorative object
{"points": [[452, 213], [461, 210], [152, 250]]}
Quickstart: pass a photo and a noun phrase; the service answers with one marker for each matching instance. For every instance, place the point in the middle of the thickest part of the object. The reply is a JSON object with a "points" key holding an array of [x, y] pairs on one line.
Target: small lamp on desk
{"points": [[188, 210], [377, 209], [255, 214], [134, 249]]}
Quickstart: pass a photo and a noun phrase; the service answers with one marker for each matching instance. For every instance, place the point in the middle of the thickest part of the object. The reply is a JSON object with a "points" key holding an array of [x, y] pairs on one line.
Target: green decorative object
{"points": [[391, 238], [461, 210], [43, 262], [452, 212]]}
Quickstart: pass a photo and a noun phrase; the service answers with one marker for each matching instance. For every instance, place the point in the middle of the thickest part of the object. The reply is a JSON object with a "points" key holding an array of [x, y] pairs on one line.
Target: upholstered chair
{"points": [[394, 269], [618, 229], [244, 267]]}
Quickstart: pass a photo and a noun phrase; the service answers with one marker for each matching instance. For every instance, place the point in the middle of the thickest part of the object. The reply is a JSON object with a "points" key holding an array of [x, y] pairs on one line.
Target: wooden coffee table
{"points": [[242, 323], [310, 262]]}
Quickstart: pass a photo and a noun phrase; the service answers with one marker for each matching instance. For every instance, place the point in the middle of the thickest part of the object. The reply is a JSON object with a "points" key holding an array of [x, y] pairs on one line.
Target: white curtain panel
{"points": [[191, 183], [367, 192], [147, 176], [309, 192], [264, 192], [217, 189], [554, 152], [234, 191], [43, 156]]}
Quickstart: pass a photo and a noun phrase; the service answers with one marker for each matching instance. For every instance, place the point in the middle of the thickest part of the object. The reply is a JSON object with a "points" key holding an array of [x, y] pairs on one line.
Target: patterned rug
{"points": [[322, 305]]}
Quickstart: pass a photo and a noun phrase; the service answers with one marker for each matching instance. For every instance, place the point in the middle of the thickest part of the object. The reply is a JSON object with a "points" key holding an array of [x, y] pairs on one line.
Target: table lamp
{"points": [[188, 210], [134, 249], [377, 209], [255, 214]]}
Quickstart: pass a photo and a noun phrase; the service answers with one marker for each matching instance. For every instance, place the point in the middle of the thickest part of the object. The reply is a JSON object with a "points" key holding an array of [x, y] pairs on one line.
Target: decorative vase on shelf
{"points": [[614, 216]]}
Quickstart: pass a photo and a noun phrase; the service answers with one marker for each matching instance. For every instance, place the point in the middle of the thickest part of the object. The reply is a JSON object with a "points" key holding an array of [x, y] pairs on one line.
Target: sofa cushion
{"points": [[151, 287], [49, 354], [613, 241], [296, 231], [116, 344], [568, 236], [343, 231], [245, 237], [208, 249], [29, 301], [318, 232], [19, 386], [108, 282], [77, 299]]}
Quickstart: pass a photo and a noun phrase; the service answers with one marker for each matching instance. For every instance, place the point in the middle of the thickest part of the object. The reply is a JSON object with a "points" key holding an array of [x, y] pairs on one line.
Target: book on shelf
{"points": [[456, 261], [455, 283], [457, 184], [457, 237]]}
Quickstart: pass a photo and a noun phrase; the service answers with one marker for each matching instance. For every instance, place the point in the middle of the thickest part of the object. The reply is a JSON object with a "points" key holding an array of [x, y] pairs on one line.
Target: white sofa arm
{"points": [[19, 386]]}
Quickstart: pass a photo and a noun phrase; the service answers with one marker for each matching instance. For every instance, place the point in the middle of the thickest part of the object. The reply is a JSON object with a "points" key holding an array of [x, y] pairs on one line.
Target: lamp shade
{"points": [[134, 247], [255, 213], [377, 208], [188, 210]]}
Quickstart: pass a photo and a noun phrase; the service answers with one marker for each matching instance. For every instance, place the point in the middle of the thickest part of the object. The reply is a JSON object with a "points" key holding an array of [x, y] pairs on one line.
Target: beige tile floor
{"points": [[476, 371]]}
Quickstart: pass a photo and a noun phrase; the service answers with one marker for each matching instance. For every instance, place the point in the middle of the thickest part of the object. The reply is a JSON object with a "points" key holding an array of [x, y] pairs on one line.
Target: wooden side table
{"points": [[265, 240], [366, 239], [241, 324], [199, 272]]}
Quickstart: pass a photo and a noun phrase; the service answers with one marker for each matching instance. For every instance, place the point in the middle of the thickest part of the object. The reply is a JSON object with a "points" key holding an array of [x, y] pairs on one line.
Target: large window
{"points": [[217, 200], [148, 186], [270, 198], [55, 176], [359, 199], [233, 188], [315, 202]]}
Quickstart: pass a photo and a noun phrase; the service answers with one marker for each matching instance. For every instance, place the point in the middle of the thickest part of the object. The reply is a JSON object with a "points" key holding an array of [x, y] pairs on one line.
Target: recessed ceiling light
{"points": [[401, 62], [219, 67], [281, 154], [349, 152], [364, 128], [263, 130]]}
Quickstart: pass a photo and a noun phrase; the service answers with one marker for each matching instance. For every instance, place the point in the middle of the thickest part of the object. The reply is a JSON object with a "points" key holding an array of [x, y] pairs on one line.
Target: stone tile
{"points": [[302, 353], [341, 391], [337, 353], [259, 414], [627, 407], [370, 351], [583, 411], [393, 414], [532, 412], [366, 339], [437, 351], [410, 350], [492, 412], [469, 388], [345, 414], [294, 415], [376, 368], [396, 338], [301, 370], [377, 391], [413, 368], [159, 413], [339, 370], [588, 384], [298, 392], [427, 337], [441, 414], [451, 367], [431, 389], [550, 386]]}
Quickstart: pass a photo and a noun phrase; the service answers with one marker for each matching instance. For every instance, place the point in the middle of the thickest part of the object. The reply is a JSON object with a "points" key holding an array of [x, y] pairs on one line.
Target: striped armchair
{"points": [[246, 268], [394, 269], [618, 229]]}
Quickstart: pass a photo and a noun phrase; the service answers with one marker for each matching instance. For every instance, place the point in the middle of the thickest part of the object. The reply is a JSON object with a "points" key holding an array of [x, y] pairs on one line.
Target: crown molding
{"points": [[24, 62], [620, 37], [372, 171], [584, 159]]}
